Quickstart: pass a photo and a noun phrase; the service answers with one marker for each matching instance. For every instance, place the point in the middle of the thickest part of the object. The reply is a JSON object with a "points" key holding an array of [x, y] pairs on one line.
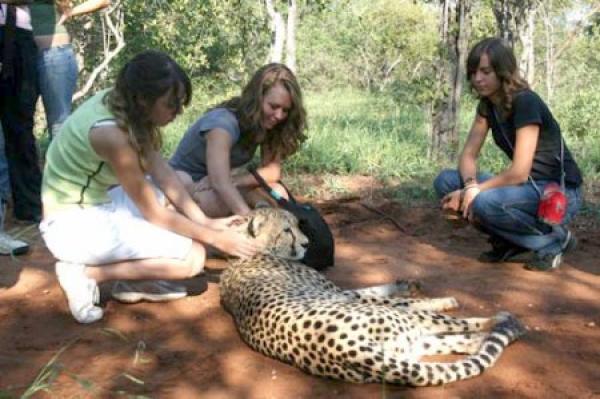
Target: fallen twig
{"points": [[388, 217]]}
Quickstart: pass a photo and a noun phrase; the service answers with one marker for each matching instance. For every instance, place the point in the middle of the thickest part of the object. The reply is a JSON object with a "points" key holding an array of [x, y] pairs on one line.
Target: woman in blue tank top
{"points": [[269, 114]]}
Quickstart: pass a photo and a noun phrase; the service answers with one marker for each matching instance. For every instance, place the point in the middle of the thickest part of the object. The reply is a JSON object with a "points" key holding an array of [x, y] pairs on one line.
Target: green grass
{"points": [[353, 132]]}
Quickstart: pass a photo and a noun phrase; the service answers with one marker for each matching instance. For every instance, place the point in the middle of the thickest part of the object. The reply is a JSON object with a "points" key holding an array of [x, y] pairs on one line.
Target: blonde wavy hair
{"points": [[143, 80], [503, 61], [283, 140]]}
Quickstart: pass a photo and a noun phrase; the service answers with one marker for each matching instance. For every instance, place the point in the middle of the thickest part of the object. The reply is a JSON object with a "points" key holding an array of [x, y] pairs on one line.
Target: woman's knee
{"points": [[487, 204], [195, 260], [184, 178], [260, 196], [446, 182]]}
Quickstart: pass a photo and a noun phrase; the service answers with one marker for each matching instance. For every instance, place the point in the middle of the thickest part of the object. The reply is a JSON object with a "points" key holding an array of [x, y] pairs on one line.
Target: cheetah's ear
{"points": [[256, 222]]}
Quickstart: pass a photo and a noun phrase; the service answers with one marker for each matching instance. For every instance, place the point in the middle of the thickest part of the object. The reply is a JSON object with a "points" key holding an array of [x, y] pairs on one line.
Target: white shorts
{"points": [[110, 233]]}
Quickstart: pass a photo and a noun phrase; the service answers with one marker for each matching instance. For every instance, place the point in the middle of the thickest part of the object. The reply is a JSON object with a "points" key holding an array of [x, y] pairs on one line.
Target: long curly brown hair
{"points": [[503, 61], [283, 140], [146, 77]]}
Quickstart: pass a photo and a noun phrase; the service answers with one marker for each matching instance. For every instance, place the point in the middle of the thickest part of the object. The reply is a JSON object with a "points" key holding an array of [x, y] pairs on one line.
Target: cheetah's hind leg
{"points": [[447, 344], [402, 288]]}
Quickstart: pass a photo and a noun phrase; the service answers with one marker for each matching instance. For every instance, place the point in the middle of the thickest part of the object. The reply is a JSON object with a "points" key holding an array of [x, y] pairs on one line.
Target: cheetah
{"points": [[288, 311]]}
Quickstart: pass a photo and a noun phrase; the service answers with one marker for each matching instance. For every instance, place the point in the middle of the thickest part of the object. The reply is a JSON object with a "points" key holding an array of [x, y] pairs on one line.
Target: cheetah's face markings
{"points": [[277, 230]]}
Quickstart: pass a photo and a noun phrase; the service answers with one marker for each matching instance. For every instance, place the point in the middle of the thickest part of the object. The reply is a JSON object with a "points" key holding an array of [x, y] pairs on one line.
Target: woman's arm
{"points": [[467, 164], [518, 171], [218, 152], [167, 180], [86, 7], [112, 145], [269, 170], [520, 167]]}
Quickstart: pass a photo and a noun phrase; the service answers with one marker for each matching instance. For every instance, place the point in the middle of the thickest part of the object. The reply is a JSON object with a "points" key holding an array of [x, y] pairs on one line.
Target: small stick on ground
{"points": [[387, 217]]}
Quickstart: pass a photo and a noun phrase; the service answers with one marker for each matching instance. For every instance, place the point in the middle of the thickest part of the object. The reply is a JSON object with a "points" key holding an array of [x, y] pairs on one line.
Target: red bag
{"points": [[553, 205]]}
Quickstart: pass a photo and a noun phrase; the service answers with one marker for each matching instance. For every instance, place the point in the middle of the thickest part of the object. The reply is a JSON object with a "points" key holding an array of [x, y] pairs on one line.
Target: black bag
{"points": [[320, 252]]}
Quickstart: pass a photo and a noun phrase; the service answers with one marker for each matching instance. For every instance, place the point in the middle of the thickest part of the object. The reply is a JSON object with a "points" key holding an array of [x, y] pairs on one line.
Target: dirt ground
{"points": [[190, 348]]}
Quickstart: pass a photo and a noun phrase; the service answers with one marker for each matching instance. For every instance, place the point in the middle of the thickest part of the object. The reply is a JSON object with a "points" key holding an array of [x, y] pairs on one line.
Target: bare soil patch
{"points": [[190, 348]]}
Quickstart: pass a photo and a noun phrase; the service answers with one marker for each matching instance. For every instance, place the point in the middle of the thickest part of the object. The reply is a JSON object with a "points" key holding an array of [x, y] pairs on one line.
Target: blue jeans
{"points": [[511, 212], [57, 76]]}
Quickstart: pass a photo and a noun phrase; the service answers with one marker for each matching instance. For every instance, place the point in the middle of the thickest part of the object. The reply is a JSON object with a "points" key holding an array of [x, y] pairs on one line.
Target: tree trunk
{"points": [[504, 16], [515, 20], [549, 47], [445, 109], [524, 12], [277, 33], [290, 44]]}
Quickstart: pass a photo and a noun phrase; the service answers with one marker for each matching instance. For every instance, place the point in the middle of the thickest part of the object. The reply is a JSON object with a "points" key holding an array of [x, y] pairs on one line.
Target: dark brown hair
{"points": [[145, 78], [283, 140], [503, 61]]}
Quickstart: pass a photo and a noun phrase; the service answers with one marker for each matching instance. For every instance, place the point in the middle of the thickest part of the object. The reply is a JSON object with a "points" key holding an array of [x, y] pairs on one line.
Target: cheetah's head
{"points": [[278, 231]]}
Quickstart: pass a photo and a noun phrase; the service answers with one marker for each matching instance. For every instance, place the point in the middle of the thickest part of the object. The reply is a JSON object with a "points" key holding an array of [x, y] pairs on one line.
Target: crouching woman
{"points": [[104, 193], [505, 206]]}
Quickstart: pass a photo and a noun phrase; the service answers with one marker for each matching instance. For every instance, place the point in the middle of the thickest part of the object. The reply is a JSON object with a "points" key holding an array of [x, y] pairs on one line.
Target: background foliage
{"points": [[366, 67]]}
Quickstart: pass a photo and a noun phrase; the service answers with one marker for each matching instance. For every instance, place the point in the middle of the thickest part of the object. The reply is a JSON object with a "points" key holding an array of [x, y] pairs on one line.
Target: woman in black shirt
{"points": [[505, 205]]}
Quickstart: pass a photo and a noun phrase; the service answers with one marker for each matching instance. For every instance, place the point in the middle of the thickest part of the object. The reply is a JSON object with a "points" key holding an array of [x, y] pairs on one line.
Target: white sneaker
{"points": [[82, 292], [12, 246], [147, 290]]}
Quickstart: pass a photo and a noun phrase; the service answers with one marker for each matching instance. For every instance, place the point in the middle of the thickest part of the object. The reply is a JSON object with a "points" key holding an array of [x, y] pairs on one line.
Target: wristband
{"points": [[470, 180], [471, 186]]}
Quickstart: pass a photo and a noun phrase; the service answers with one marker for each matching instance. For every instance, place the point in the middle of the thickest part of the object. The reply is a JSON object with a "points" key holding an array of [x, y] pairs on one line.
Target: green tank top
{"points": [[44, 19], [74, 175]]}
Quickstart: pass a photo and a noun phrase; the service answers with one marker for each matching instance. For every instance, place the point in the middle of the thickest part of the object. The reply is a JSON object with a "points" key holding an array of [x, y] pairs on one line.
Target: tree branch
{"points": [[114, 30]]}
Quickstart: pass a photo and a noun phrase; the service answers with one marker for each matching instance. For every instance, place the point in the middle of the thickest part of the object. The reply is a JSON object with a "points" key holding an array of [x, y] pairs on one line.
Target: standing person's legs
{"points": [[17, 121], [4, 176], [57, 74], [8, 244]]}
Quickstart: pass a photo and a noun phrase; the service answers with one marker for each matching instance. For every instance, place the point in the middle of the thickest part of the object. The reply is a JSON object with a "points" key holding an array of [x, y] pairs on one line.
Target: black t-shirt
{"points": [[529, 109]]}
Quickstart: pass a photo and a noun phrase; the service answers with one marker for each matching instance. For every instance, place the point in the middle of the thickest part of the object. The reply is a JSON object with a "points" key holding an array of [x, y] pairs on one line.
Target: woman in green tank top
{"points": [[101, 233], [56, 64]]}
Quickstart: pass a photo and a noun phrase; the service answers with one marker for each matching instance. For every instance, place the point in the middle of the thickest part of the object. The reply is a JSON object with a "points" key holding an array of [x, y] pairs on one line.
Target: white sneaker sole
{"points": [[134, 297]]}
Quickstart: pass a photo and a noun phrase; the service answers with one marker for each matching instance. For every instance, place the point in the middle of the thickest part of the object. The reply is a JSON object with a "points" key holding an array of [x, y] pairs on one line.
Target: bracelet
{"points": [[470, 180], [471, 186]]}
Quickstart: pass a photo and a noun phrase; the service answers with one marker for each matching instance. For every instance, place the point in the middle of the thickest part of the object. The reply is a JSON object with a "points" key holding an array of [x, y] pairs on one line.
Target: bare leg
{"points": [[151, 269], [213, 206], [399, 288]]}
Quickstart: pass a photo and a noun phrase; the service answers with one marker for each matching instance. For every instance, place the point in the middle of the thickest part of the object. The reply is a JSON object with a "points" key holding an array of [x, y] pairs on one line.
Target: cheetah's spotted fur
{"points": [[291, 312]]}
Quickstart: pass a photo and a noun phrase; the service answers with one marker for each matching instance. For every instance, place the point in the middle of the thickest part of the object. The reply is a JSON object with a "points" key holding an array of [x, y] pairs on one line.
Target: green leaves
{"points": [[217, 38]]}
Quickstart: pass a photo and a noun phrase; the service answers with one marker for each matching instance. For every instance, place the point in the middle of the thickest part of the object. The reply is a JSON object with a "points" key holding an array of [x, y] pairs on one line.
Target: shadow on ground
{"points": [[190, 348]]}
